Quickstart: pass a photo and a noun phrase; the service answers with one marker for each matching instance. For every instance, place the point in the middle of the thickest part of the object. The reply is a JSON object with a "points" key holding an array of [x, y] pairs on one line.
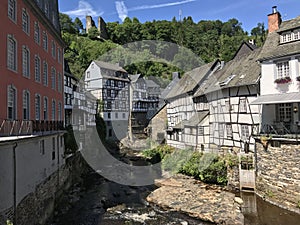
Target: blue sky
{"points": [[248, 12]]}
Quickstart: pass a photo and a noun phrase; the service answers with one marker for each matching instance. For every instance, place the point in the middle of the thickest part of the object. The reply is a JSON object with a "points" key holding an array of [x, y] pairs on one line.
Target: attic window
{"points": [[227, 80], [290, 36]]}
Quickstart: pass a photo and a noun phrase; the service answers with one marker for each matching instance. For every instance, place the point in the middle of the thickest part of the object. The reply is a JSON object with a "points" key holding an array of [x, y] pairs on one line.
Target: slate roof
{"points": [[190, 80], [245, 68], [272, 47], [197, 118], [151, 83], [134, 78], [109, 66]]}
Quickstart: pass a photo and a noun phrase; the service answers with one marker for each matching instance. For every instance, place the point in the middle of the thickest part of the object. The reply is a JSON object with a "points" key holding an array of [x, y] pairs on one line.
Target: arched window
{"points": [[11, 53], [11, 102], [26, 105]]}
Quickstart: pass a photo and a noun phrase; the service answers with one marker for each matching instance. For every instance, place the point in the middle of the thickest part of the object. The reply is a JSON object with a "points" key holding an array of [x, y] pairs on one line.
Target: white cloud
{"points": [[84, 9], [160, 5], [122, 10]]}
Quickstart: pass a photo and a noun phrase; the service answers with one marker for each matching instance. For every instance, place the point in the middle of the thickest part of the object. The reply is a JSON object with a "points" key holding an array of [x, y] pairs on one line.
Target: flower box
{"points": [[283, 80]]}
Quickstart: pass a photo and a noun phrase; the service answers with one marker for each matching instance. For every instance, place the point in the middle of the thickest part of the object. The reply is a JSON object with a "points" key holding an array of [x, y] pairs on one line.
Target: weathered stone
{"points": [[238, 200]]}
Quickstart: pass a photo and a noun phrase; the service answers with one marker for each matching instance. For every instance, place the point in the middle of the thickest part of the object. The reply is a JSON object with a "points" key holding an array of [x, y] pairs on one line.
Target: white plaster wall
{"points": [[268, 69], [32, 167]]}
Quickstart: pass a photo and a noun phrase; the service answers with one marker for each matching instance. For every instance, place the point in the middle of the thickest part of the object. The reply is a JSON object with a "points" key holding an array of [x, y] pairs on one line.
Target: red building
{"points": [[31, 66]]}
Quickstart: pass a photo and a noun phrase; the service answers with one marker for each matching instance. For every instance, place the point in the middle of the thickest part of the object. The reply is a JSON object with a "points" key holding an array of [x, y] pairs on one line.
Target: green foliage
{"points": [[8, 222], [70, 141], [161, 151], [298, 204], [270, 193], [232, 160], [93, 33], [207, 40]]}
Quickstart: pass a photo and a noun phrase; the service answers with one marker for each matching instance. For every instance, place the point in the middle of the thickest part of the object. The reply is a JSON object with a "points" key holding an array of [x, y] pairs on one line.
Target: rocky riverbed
{"points": [[208, 203]]}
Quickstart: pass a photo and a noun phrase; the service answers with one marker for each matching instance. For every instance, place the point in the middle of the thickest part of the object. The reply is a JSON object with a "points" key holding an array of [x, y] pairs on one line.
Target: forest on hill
{"points": [[179, 45]]}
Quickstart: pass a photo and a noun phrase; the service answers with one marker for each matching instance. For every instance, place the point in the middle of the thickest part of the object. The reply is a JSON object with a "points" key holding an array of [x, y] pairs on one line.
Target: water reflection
{"points": [[259, 212]]}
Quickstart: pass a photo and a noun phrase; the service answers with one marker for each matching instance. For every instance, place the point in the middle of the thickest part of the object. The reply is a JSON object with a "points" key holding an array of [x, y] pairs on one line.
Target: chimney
{"points": [[274, 20]]}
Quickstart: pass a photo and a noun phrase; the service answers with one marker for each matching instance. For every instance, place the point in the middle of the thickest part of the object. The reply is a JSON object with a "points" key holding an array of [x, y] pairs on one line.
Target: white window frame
{"points": [[12, 53], [25, 21], [229, 131], [37, 33], [25, 61], [45, 108], [53, 49], [53, 78], [11, 102], [245, 134], [37, 102], [45, 41], [37, 68], [26, 105], [243, 105], [59, 82], [45, 73], [282, 69], [53, 110], [12, 10]]}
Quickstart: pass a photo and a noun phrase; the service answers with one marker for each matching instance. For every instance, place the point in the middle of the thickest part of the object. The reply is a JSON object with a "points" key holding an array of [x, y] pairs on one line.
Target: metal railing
{"points": [[28, 127]]}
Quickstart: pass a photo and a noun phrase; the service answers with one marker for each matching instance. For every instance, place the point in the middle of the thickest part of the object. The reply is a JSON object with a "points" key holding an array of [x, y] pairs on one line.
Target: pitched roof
{"points": [[272, 47], [109, 66], [151, 83], [191, 80], [134, 78], [243, 70], [197, 118]]}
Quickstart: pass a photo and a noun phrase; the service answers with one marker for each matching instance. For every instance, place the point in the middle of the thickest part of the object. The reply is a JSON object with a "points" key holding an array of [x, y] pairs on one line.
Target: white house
{"points": [[280, 77], [109, 83]]}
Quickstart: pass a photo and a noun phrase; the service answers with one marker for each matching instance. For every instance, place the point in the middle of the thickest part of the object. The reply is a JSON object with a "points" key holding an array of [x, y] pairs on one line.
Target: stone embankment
{"points": [[206, 202]]}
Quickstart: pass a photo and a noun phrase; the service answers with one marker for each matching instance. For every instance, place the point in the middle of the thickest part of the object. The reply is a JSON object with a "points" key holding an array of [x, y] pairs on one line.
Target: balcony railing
{"points": [[279, 130], [28, 127]]}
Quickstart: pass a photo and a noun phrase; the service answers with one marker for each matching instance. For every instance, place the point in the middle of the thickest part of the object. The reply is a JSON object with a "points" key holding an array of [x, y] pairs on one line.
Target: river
{"points": [[97, 201]]}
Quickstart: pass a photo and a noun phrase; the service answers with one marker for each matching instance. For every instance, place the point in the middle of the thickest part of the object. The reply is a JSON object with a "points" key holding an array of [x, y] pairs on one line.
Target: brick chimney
{"points": [[274, 20]]}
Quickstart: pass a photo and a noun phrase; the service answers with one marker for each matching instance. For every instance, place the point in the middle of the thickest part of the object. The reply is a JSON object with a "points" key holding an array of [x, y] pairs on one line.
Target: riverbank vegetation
{"points": [[207, 167]]}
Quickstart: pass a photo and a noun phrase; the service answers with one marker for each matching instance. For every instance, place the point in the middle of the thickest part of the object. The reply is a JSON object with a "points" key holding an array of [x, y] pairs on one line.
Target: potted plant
{"points": [[283, 80]]}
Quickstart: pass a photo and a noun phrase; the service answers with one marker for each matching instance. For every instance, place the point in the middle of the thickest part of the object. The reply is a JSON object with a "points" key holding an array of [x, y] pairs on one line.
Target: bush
{"points": [[175, 161], [209, 168], [159, 152]]}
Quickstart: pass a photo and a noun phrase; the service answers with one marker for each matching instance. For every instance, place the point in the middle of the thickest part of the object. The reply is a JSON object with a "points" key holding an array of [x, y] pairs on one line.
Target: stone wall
{"points": [[278, 174], [38, 206]]}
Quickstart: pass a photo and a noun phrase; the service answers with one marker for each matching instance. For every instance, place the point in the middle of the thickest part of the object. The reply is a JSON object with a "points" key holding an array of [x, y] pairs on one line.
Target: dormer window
{"points": [[290, 36]]}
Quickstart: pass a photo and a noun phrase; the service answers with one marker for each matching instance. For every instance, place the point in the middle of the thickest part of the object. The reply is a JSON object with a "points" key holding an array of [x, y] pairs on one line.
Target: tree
{"points": [[93, 33], [66, 24], [78, 25]]}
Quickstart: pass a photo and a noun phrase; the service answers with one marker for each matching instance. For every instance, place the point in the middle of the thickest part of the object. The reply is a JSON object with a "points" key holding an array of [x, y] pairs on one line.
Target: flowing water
{"points": [[101, 202]]}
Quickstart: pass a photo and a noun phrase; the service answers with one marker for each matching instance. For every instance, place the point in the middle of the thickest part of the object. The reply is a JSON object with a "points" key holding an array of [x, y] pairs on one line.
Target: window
{"points": [[243, 105], [229, 130], [53, 49], [45, 110], [11, 53], [25, 21], [290, 36], [53, 78], [45, 73], [11, 103], [201, 130], [36, 33], [25, 62], [37, 68], [283, 69], [116, 115], [221, 130], [37, 107], [59, 55], [12, 10], [88, 74], [59, 86], [108, 115], [45, 41], [53, 110], [245, 132], [59, 112], [42, 147], [227, 106], [124, 115], [285, 112], [26, 104]]}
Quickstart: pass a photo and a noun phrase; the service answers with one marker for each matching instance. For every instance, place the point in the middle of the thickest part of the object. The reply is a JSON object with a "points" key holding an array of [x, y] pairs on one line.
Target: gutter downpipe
{"points": [[15, 183]]}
